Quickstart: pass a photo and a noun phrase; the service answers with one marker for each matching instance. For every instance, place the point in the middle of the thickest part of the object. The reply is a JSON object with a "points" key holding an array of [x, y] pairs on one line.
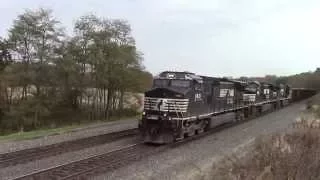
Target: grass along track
{"points": [[26, 155]]}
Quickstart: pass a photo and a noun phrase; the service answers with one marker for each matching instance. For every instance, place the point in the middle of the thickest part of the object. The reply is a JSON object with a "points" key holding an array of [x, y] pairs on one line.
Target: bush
{"points": [[294, 155], [126, 112]]}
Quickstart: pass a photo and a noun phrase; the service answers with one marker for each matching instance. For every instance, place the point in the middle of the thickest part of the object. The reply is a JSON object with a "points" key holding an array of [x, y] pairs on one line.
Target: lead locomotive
{"points": [[182, 104]]}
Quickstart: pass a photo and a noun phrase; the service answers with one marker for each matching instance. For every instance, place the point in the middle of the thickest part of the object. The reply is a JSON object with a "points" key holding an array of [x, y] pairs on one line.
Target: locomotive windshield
{"points": [[171, 83], [161, 83], [180, 83]]}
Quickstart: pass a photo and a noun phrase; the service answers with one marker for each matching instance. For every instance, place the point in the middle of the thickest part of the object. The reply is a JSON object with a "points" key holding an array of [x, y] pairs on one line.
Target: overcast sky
{"points": [[209, 37]]}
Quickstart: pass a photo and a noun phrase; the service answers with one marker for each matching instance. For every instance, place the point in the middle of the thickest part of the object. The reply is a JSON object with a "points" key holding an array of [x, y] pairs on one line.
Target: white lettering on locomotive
{"points": [[197, 97]]}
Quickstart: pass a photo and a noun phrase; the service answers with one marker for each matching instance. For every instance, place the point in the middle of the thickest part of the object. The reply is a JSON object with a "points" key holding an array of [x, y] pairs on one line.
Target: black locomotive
{"points": [[182, 104]]}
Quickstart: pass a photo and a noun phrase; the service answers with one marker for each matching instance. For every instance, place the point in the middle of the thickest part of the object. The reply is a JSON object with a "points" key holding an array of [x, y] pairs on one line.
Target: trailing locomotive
{"points": [[182, 104]]}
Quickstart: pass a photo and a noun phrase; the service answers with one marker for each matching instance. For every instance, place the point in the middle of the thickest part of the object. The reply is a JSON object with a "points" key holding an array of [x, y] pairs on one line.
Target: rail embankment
{"points": [[293, 154]]}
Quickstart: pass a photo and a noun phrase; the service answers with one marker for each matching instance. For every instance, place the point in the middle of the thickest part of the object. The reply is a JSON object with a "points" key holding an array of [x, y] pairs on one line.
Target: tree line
{"points": [[309, 79], [48, 78], [305, 80]]}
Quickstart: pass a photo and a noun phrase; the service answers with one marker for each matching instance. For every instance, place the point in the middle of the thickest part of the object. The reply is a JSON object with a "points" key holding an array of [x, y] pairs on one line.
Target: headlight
{"points": [[165, 114]]}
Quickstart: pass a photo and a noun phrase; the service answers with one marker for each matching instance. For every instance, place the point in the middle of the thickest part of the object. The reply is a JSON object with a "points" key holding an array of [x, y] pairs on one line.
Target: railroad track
{"points": [[26, 155], [106, 162], [93, 165]]}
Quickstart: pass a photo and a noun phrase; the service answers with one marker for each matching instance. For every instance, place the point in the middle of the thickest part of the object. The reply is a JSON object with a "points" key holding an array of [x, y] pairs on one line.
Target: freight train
{"points": [[182, 104]]}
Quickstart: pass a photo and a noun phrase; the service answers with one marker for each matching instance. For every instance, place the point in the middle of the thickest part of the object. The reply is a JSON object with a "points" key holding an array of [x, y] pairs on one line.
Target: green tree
{"points": [[5, 55], [107, 47], [36, 37], [114, 56]]}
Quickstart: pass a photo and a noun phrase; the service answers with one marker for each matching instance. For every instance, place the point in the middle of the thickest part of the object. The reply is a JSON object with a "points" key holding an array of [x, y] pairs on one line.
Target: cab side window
{"points": [[197, 86]]}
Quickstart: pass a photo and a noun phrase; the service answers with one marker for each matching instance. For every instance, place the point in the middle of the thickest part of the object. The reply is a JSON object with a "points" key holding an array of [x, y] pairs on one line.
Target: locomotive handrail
{"points": [[177, 111]]}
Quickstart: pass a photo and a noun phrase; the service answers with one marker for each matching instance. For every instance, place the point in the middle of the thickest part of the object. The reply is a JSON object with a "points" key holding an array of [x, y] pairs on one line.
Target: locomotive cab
{"points": [[266, 89], [252, 93]]}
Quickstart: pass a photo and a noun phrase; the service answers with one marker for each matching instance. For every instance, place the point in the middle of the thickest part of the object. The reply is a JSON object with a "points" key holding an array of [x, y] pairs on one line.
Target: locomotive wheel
{"points": [[179, 138], [241, 117], [199, 131], [235, 119], [191, 133], [206, 124]]}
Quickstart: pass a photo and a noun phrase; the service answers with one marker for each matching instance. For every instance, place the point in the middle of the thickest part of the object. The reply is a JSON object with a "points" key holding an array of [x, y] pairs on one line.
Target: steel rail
{"points": [[26, 155]]}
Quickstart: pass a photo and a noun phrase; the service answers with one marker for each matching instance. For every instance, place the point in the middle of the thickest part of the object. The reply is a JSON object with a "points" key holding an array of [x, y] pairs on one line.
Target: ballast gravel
{"points": [[195, 159], [22, 169], [78, 133]]}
